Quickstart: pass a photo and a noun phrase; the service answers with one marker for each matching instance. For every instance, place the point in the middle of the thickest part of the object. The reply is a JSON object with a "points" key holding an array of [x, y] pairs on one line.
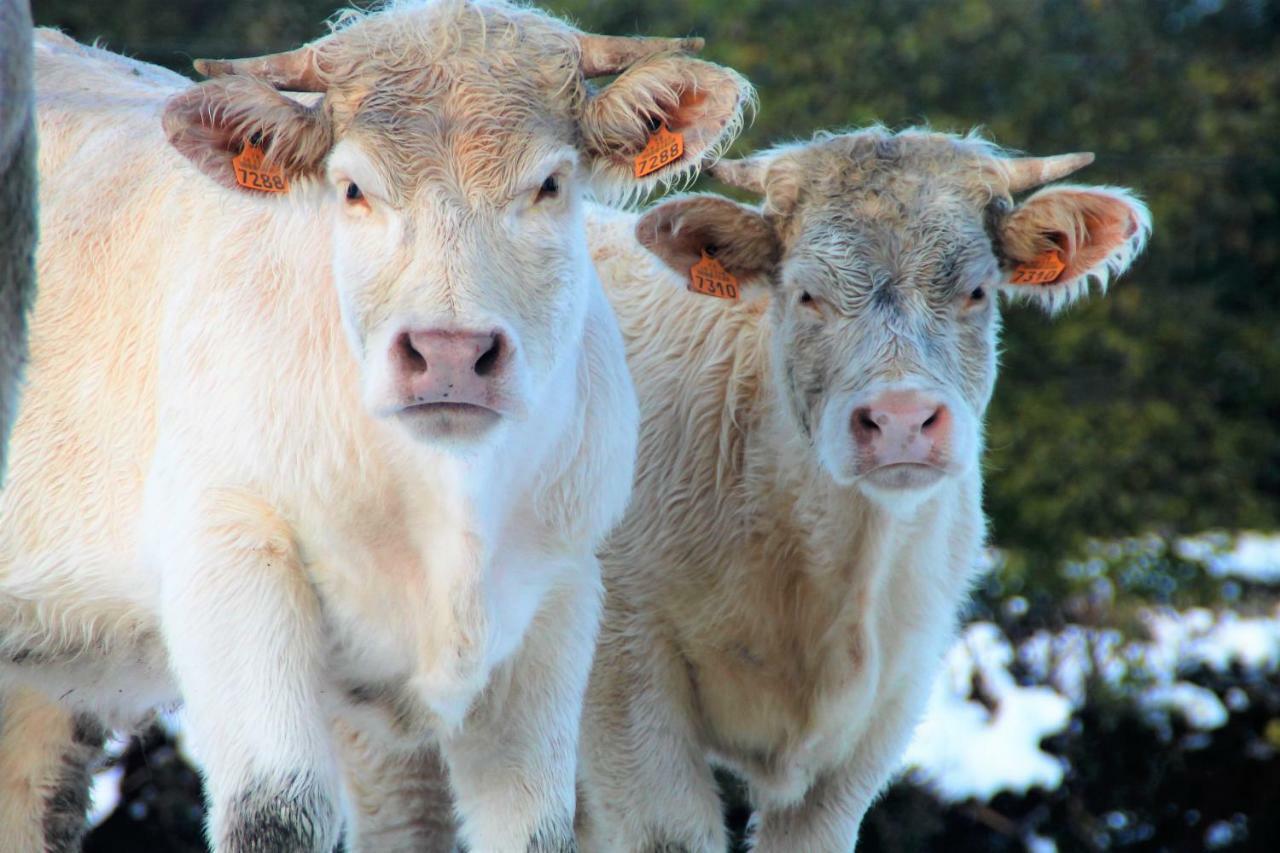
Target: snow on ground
{"points": [[964, 749], [104, 795], [982, 730], [1248, 556]]}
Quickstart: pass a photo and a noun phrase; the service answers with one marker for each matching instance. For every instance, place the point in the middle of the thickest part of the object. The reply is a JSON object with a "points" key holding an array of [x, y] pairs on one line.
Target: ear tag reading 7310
{"points": [[662, 149], [708, 276], [1043, 270], [252, 174]]}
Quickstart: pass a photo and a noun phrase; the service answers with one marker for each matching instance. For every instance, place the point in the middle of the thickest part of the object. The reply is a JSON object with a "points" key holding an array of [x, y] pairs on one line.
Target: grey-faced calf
{"points": [[807, 513]]}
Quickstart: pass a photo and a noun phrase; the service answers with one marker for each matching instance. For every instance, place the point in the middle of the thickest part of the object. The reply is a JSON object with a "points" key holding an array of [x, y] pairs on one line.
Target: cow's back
{"points": [[112, 217]]}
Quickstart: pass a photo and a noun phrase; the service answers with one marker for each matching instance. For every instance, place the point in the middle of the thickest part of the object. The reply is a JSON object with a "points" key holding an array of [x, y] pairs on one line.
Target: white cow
{"points": [[807, 512], [17, 205], [329, 465]]}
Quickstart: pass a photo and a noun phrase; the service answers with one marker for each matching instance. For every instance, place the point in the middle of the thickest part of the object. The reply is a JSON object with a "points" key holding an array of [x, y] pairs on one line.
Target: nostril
{"points": [[863, 422], [487, 363], [409, 356], [934, 421]]}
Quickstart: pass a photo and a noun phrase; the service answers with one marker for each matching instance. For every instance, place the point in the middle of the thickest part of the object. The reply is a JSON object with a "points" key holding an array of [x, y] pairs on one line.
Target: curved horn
{"points": [[603, 55], [293, 70], [1025, 173], [745, 174]]}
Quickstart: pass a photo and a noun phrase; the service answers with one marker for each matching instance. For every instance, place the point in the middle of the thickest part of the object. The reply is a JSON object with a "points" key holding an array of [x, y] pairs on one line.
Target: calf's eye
{"points": [[353, 193], [977, 294], [805, 298], [550, 188]]}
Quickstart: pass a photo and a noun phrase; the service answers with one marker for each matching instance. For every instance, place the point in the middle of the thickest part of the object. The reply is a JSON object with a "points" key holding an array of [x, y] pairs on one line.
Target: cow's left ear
{"points": [[1063, 237], [684, 229], [630, 126]]}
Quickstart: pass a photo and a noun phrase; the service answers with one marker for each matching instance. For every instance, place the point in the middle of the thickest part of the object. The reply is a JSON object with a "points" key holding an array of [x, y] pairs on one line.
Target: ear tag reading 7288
{"points": [[1042, 270], [709, 276], [662, 149], [252, 174]]}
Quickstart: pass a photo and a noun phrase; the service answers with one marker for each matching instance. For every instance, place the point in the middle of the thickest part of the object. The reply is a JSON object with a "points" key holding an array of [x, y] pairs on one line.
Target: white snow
{"points": [[104, 794], [963, 750], [1200, 707], [1249, 555]]}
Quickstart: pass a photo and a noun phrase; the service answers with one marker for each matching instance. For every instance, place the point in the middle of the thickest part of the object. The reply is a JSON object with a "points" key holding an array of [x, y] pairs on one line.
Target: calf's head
{"points": [[452, 144], [881, 255]]}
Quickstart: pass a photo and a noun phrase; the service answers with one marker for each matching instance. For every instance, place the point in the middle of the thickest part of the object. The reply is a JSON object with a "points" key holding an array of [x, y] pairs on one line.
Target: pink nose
{"points": [[449, 366], [902, 426]]}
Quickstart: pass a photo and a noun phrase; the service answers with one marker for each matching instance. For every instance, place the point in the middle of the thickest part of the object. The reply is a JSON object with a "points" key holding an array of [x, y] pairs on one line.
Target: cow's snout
{"points": [[449, 366], [902, 427]]}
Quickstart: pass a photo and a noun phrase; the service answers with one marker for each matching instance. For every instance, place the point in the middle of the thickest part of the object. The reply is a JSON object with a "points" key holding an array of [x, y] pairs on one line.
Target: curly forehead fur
{"points": [[485, 79], [886, 171]]}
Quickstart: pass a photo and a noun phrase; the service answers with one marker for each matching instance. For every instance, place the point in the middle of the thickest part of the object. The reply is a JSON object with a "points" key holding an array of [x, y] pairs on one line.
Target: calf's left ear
{"points": [[642, 112], [1063, 237], [681, 230]]}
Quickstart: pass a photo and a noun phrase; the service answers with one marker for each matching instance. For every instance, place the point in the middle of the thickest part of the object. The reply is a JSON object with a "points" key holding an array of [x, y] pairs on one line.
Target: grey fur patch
{"points": [[554, 836], [289, 816], [66, 810]]}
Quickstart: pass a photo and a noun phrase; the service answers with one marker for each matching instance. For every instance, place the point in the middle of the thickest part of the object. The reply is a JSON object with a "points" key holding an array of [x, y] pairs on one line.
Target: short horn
{"points": [[293, 71], [603, 55], [745, 174], [1024, 173]]}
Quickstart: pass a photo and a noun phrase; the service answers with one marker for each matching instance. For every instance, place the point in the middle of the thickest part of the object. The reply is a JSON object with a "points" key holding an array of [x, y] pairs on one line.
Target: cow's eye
{"points": [[977, 294], [550, 188], [807, 300], [353, 193]]}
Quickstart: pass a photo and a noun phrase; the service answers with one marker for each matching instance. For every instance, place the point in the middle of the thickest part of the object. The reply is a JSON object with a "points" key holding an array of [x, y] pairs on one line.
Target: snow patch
{"points": [[966, 749]]}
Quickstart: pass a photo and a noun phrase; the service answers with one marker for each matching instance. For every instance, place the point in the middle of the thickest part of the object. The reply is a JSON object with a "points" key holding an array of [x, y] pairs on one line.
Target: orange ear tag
{"points": [[662, 149], [252, 174], [708, 276], [1043, 270]]}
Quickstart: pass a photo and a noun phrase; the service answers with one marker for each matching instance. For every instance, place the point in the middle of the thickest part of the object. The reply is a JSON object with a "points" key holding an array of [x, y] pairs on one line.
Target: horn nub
{"points": [[745, 174], [1025, 173], [603, 55], [293, 71]]}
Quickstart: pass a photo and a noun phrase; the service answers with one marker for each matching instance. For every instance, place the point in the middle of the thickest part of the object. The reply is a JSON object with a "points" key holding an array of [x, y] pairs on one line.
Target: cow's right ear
{"points": [[682, 229], [211, 123]]}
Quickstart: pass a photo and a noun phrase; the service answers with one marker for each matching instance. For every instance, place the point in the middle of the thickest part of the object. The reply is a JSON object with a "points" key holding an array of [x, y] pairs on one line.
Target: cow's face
{"points": [[456, 143], [881, 256]]}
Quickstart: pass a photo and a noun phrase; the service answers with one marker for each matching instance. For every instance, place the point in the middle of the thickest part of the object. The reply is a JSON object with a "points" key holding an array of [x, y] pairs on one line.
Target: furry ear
{"points": [[700, 101], [1062, 237], [681, 229], [212, 122]]}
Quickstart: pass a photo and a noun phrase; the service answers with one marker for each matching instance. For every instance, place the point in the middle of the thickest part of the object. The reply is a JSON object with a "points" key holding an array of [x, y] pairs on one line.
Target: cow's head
{"points": [[454, 143], [881, 255]]}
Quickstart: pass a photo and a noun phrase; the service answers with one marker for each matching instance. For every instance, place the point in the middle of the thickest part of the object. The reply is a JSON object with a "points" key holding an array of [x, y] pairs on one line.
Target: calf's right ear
{"points": [[682, 229], [211, 123]]}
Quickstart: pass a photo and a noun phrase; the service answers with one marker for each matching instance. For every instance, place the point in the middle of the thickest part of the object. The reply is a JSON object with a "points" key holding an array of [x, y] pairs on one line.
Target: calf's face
{"points": [[881, 256], [453, 146]]}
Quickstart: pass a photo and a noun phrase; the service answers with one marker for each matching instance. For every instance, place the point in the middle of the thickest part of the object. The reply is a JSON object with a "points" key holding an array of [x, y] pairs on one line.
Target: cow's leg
{"points": [[243, 626], [831, 813], [399, 798], [647, 785], [46, 755], [513, 760]]}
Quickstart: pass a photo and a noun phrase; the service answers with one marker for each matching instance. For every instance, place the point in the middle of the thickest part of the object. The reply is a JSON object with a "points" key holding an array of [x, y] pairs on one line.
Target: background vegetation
{"points": [[1151, 411]]}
